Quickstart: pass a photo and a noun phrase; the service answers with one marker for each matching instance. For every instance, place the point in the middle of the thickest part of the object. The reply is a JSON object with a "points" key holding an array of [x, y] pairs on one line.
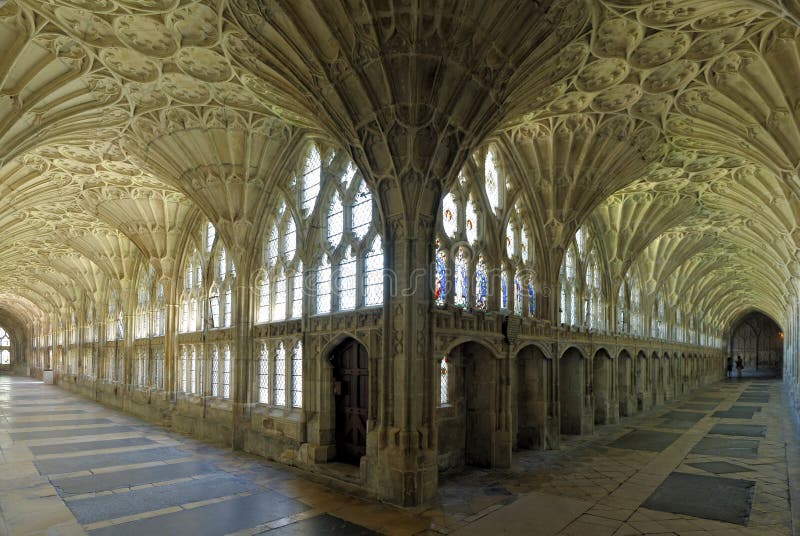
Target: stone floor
{"points": [[721, 461]]}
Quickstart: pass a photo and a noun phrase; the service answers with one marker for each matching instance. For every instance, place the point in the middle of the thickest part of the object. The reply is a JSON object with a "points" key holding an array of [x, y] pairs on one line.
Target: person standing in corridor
{"points": [[739, 366], [729, 367]]}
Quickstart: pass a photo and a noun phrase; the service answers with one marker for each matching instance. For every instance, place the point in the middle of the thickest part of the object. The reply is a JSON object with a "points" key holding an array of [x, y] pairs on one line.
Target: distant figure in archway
{"points": [[739, 366], [729, 367]]}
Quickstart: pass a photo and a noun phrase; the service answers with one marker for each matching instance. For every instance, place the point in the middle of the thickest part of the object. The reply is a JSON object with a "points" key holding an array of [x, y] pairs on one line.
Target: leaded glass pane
{"points": [[272, 246], [324, 287], [362, 211], [228, 308], [226, 372], [335, 220], [492, 181], [444, 381], [481, 286], [263, 299], [297, 292], [517, 296], [471, 223], [524, 246], [263, 374], [214, 371], [222, 263], [290, 241], [311, 180], [213, 301], [279, 387], [460, 287], [297, 376], [211, 235], [373, 274], [193, 371], [347, 283], [279, 304], [450, 215], [531, 300]]}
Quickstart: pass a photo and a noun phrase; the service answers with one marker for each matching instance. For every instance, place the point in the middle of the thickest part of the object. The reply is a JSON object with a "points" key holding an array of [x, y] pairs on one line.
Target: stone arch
{"points": [[572, 393], [467, 427], [625, 383], [605, 404], [460, 341], [534, 399]]}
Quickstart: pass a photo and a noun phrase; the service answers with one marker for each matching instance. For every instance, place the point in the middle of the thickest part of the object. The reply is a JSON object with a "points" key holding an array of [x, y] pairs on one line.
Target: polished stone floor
{"points": [[723, 460]]}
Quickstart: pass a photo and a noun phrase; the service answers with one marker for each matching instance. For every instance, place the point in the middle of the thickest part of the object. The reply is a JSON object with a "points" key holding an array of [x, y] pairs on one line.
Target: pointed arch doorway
{"points": [[351, 400]]}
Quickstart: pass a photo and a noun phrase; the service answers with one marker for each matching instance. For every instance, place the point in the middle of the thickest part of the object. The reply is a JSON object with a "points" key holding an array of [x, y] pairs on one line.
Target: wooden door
{"points": [[351, 391]]}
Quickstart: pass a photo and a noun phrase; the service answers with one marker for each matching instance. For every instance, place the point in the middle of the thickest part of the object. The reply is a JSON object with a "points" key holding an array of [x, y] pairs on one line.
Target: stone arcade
{"points": [[382, 240]]}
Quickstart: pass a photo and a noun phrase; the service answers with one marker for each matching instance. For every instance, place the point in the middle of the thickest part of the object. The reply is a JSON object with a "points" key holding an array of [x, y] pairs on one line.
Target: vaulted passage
{"points": [[390, 243]]}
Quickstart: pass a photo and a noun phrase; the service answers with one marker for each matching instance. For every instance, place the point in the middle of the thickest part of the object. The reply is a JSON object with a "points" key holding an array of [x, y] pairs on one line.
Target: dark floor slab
{"points": [[96, 461], [322, 525], [73, 432], [58, 422], [650, 440], [754, 409], [130, 477], [91, 445], [680, 420], [735, 413], [94, 509], [753, 400], [707, 497], [720, 468], [727, 447], [749, 430], [213, 519], [698, 407]]}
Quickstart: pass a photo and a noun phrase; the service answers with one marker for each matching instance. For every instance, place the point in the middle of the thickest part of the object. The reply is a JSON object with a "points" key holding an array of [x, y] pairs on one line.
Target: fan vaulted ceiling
{"points": [[669, 127]]}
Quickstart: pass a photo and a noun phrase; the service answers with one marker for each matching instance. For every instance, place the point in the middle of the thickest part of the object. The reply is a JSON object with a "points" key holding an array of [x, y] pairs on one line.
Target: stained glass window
{"points": [[531, 300], [444, 381], [311, 180], [279, 387], [263, 374], [347, 283], [450, 215], [504, 290], [362, 211], [335, 221], [517, 296], [481, 285], [524, 246], [461, 261], [297, 375], [373, 274], [491, 181], [471, 223], [440, 290], [324, 287], [621, 309]]}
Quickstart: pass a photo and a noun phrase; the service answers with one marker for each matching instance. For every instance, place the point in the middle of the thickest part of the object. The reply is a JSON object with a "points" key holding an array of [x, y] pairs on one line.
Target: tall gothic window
{"points": [[143, 297], [193, 294], [635, 304], [568, 284], [444, 381], [220, 295], [467, 271], [622, 309], [594, 293], [281, 278]]}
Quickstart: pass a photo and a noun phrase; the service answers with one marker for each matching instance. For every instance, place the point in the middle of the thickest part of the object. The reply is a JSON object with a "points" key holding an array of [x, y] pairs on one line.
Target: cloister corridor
{"points": [[721, 460]]}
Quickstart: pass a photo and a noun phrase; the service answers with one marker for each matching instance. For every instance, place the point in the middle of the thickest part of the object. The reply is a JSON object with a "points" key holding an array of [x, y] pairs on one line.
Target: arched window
{"points": [[635, 305], [89, 332], [263, 373], [193, 289], [468, 271], [159, 311], [5, 347], [143, 296], [568, 284], [279, 380], [297, 375], [594, 293], [346, 250], [220, 296]]}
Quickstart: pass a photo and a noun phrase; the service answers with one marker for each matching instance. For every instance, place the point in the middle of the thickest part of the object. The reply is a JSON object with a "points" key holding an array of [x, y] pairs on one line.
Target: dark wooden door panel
{"points": [[350, 363]]}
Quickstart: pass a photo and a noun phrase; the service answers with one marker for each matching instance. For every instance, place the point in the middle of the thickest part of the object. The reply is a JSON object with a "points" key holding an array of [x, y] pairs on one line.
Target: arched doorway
{"points": [[656, 380], [467, 431], [625, 384], [602, 388], [758, 339], [351, 400], [534, 399], [572, 386], [641, 381]]}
